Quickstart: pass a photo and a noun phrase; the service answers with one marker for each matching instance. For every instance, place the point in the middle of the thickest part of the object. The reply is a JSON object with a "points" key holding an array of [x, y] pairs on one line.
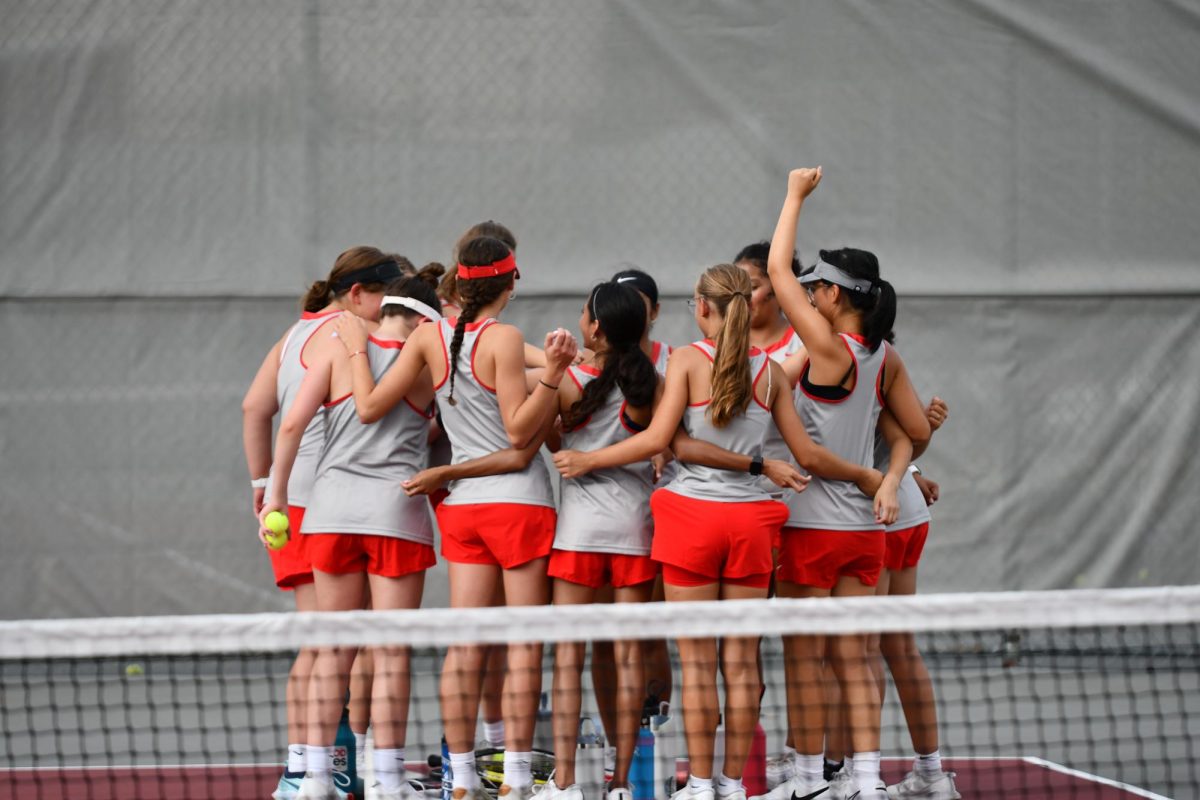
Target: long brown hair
{"points": [[728, 289], [321, 293], [477, 292]]}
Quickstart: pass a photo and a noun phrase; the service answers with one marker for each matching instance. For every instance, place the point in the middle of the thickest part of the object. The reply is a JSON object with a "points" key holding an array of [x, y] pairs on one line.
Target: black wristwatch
{"points": [[756, 465]]}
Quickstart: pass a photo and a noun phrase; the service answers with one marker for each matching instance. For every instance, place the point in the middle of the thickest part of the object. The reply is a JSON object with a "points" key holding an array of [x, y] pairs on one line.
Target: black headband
{"points": [[382, 272]]}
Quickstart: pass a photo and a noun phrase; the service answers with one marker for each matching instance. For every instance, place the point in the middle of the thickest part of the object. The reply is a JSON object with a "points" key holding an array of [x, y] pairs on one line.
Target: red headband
{"points": [[502, 267]]}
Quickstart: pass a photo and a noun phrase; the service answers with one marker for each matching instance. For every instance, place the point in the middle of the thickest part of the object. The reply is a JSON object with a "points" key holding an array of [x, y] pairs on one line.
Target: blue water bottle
{"points": [[345, 760], [447, 772], [641, 771]]}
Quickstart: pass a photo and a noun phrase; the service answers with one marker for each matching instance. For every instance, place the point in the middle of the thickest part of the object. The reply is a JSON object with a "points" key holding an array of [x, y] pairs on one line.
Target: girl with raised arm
{"points": [[712, 526], [354, 285], [833, 541], [494, 528]]}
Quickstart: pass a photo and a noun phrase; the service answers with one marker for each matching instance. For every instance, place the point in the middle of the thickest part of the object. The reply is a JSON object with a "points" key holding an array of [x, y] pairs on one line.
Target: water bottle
{"points": [[345, 762], [641, 771], [447, 772], [589, 759], [754, 777]]}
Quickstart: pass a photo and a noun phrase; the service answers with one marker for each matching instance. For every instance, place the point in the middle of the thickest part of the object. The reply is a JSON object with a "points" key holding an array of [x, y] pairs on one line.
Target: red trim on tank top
{"points": [[571, 375], [588, 369], [849, 392], [702, 350], [319, 314], [858, 337], [754, 384], [446, 353], [386, 344], [879, 377], [339, 401], [300, 354], [783, 342], [476, 325], [623, 416], [428, 413], [475, 348]]}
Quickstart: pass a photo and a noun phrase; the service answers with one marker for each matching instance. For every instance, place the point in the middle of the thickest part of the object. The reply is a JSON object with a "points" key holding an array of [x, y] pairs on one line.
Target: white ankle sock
{"points": [[493, 733], [866, 771], [389, 767], [810, 769], [463, 774], [517, 769], [928, 765], [360, 753], [698, 784], [726, 785], [297, 760], [320, 761]]}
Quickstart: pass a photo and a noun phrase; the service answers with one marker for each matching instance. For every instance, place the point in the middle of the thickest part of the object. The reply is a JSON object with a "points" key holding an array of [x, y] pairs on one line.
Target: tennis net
{"points": [[1086, 693]]}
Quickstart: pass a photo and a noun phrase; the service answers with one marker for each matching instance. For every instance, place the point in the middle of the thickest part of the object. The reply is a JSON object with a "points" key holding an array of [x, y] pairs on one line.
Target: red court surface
{"points": [[1027, 778]]}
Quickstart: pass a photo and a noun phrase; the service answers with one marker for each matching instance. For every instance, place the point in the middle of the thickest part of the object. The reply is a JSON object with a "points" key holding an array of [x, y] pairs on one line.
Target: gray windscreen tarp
{"points": [[171, 171]]}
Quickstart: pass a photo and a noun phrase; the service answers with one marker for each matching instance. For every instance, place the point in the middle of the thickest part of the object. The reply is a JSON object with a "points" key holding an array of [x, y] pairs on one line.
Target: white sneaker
{"points": [[403, 792], [550, 791], [795, 789], [913, 786], [687, 793], [842, 785], [314, 788], [780, 769], [619, 794], [610, 762], [736, 794]]}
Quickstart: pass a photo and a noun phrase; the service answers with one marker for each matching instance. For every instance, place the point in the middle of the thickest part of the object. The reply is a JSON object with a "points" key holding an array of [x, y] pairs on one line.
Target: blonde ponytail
{"points": [[728, 289]]}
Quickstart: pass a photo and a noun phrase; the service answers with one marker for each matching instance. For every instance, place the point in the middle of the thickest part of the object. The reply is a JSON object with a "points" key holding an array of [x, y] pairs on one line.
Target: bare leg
{"points": [[526, 585], [331, 672], [700, 702], [859, 695], [604, 673], [803, 659], [362, 675], [568, 691], [657, 657], [739, 665], [910, 674], [631, 689], [389, 702], [493, 681], [471, 586], [300, 673]]}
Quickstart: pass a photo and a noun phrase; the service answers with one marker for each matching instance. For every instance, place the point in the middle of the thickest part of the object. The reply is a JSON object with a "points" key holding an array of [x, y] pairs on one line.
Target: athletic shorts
{"points": [[813, 557], [904, 547], [727, 542], [602, 569], [505, 534], [291, 562], [387, 556]]}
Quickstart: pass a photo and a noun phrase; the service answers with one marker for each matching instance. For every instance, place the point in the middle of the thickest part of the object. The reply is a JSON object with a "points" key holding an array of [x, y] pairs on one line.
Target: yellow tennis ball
{"points": [[133, 670], [277, 525]]}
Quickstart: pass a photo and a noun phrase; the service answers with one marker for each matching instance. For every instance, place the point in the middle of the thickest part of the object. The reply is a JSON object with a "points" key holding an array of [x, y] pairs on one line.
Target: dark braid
{"points": [[622, 316], [476, 293]]}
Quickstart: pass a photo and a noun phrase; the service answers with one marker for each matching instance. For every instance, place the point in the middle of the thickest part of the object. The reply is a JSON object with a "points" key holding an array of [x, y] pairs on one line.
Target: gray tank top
{"points": [[774, 446], [606, 511], [847, 428], [744, 434], [357, 488], [475, 430], [287, 386], [660, 355], [913, 510]]}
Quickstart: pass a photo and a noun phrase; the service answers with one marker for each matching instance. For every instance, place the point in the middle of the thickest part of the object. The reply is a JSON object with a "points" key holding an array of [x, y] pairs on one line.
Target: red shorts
{"points": [[813, 557], [505, 534], [602, 569], [904, 547], [728, 542], [387, 556], [291, 562]]}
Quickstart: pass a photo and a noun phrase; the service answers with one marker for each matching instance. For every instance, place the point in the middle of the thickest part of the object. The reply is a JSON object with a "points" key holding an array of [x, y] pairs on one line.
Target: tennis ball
{"points": [[277, 525], [133, 670]]}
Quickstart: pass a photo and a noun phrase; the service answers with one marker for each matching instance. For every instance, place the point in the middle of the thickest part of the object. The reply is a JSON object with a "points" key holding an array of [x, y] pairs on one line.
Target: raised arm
{"points": [[373, 401], [813, 457], [668, 412], [818, 335], [259, 407]]}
